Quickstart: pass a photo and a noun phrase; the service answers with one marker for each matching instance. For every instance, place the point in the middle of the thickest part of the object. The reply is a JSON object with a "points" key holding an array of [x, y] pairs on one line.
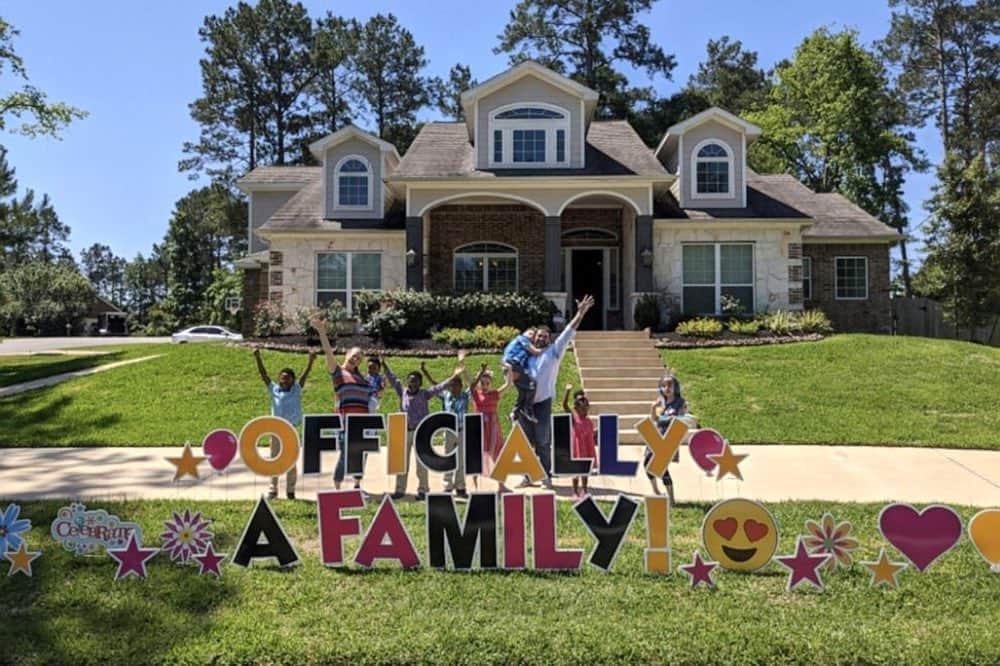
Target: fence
{"points": [[922, 316]]}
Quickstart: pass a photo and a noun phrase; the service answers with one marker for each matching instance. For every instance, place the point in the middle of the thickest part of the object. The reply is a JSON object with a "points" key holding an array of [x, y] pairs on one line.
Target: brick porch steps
{"points": [[619, 370]]}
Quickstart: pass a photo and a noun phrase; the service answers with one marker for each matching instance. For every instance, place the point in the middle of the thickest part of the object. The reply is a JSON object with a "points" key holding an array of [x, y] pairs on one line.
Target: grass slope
{"points": [[185, 394], [72, 611], [847, 389], [17, 369]]}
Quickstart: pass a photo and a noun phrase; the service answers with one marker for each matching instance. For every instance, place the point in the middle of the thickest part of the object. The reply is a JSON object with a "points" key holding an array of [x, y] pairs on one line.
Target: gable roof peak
{"points": [[526, 68], [715, 113], [349, 131]]}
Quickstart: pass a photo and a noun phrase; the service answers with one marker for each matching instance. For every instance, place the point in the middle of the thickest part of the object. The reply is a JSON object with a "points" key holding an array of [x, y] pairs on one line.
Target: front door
{"points": [[587, 269]]}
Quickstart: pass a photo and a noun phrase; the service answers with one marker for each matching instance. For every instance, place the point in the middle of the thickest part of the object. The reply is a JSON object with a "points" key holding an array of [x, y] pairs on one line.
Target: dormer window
{"points": [[353, 183], [528, 135], [712, 170]]}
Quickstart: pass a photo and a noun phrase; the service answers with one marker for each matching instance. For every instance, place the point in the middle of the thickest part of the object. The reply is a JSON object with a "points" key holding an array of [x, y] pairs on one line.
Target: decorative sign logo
{"points": [[82, 532]]}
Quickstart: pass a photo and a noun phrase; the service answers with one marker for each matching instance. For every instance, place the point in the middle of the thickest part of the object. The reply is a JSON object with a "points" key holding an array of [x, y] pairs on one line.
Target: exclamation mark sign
{"points": [[657, 535]]}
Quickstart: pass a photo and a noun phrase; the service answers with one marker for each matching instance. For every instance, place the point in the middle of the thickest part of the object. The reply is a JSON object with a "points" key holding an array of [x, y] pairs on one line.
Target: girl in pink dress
{"points": [[584, 443], [486, 399]]}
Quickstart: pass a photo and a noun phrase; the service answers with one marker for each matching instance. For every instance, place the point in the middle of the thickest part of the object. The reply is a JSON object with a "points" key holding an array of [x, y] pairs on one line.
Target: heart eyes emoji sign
{"points": [[740, 535]]}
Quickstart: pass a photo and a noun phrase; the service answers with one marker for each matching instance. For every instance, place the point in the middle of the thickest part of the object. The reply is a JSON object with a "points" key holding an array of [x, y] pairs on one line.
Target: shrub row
{"points": [[778, 323], [490, 336], [416, 314]]}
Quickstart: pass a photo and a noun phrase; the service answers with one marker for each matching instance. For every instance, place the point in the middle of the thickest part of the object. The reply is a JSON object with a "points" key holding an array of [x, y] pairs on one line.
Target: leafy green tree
{"points": [[833, 121], [47, 118], [387, 67], [259, 68], [226, 284], [963, 240], [447, 94], [336, 42], [145, 285], [43, 297], [105, 270], [729, 77], [589, 40]]}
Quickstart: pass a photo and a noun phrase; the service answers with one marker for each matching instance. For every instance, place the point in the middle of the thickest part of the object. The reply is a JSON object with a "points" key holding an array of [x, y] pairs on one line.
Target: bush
{"points": [[744, 326], [481, 337], [647, 312], [731, 305], [333, 313], [781, 322], [814, 321], [268, 320], [700, 328], [424, 312], [386, 325]]}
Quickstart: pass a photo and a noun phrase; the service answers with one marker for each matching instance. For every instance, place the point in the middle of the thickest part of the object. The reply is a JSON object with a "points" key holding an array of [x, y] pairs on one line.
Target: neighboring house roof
{"points": [[273, 177], [443, 150], [781, 196], [319, 147], [101, 306], [253, 260]]}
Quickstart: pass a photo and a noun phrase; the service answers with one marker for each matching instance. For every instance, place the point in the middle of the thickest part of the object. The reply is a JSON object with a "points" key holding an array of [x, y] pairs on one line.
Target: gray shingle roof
{"points": [[304, 212], [443, 150], [280, 175], [781, 196]]}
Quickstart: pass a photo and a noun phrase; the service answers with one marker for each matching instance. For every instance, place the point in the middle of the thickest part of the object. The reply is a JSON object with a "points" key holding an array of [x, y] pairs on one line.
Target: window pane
{"points": [[699, 264], [356, 166], [468, 273], [744, 294], [699, 300], [366, 271], [613, 278], [852, 277], [332, 271], [497, 146], [713, 150], [529, 112], [736, 264], [807, 269], [484, 248], [352, 191], [502, 274], [324, 298], [529, 145], [713, 177], [560, 145]]}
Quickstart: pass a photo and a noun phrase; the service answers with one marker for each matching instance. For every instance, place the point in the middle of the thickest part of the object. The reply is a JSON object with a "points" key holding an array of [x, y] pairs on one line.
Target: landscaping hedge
{"points": [[416, 314]]}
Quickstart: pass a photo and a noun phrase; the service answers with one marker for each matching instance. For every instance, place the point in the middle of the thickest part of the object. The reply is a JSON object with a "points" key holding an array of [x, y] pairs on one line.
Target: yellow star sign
{"points": [[728, 462], [20, 560], [186, 464], [884, 571]]}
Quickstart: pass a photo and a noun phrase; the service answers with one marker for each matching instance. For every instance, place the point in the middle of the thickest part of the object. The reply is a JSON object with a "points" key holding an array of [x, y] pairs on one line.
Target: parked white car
{"points": [[204, 334]]}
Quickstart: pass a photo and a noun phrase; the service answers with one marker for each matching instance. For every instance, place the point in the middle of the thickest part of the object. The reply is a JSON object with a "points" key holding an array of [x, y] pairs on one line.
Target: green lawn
{"points": [[847, 389], [17, 369], [190, 391], [73, 612]]}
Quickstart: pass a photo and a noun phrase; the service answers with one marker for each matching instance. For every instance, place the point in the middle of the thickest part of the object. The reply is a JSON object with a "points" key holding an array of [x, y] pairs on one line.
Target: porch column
{"points": [[415, 253], [553, 244], [643, 242]]}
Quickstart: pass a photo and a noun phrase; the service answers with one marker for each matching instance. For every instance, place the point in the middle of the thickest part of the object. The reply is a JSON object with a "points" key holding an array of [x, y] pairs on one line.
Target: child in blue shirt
{"points": [[286, 403], [376, 381], [515, 362]]}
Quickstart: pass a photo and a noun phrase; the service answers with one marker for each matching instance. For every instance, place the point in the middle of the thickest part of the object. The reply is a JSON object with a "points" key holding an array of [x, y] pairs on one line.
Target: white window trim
{"points": [[807, 277], [718, 274], [348, 289], [728, 159], [512, 253], [336, 183], [835, 285], [507, 127]]}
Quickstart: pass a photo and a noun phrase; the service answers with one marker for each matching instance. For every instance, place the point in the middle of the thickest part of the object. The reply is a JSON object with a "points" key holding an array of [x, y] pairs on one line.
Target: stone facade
{"points": [[254, 292], [771, 262], [873, 314], [297, 284], [518, 226]]}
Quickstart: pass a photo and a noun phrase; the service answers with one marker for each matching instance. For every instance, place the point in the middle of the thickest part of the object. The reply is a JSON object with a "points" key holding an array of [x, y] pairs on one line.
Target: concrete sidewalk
{"points": [[771, 473], [52, 380]]}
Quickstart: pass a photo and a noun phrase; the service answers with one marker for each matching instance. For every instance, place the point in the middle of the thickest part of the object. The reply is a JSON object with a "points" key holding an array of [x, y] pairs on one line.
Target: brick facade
{"points": [[607, 219], [872, 315], [518, 226]]}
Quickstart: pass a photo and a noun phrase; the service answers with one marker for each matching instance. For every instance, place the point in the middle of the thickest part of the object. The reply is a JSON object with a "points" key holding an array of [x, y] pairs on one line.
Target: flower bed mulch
{"points": [[729, 339], [425, 347]]}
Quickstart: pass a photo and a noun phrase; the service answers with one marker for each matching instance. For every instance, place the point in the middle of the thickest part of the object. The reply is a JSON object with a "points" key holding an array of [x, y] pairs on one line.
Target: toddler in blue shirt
{"points": [[515, 362]]}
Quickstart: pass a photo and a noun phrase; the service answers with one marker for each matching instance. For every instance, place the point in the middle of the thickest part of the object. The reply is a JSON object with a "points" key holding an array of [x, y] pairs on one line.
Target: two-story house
{"points": [[531, 192]]}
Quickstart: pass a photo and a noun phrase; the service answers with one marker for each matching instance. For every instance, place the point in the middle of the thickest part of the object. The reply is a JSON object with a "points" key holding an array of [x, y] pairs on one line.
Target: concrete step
{"points": [[592, 383], [645, 372], [612, 360], [610, 335], [630, 343], [648, 393], [622, 408]]}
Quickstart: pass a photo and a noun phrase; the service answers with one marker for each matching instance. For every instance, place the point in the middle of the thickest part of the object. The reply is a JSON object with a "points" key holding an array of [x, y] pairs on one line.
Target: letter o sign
{"points": [[288, 438]]}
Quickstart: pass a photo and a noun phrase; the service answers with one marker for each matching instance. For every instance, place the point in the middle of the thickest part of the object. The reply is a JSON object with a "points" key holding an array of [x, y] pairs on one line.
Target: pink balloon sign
{"points": [[219, 446], [922, 536], [703, 444]]}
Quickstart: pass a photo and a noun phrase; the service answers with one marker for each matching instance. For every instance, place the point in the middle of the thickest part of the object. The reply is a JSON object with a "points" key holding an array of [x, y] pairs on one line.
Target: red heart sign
{"points": [[725, 528], [755, 531]]}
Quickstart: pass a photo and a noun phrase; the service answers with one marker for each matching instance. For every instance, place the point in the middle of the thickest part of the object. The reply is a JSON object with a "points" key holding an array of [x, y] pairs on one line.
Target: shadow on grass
{"points": [[16, 373], [46, 421]]}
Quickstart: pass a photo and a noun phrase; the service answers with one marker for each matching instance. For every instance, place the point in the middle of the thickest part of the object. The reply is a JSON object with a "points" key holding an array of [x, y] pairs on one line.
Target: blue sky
{"points": [[134, 67]]}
